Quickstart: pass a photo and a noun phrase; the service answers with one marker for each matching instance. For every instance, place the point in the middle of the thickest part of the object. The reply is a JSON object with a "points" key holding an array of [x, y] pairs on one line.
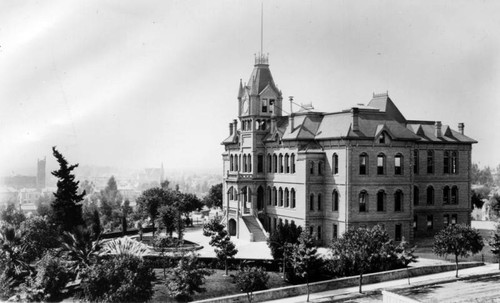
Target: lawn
{"points": [[217, 285]]}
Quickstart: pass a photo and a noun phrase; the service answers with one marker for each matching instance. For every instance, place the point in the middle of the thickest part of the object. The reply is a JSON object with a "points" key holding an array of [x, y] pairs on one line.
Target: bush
{"points": [[50, 280], [250, 279], [121, 279], [187, 278]]}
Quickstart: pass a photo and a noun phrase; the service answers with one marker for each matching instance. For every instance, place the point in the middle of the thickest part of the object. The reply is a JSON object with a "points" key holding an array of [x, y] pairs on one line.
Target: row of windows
{"points": [[381, 164], [281, 163], [280, 197], [246, 193], [447, 220], [240, 163], [381, 201], [319, 167], [450, 195], [450, 162], [319, 201], [273, 223], [259, 124]]}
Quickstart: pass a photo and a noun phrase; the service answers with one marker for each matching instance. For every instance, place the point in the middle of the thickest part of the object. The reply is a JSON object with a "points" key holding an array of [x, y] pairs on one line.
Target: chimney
{"points": [[438, 132], [461, 128], [355, 118], [230, 129], [235, 124]]}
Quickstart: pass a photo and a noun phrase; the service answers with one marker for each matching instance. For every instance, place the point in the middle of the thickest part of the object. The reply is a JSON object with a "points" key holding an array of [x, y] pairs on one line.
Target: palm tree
{"points": [[12, 251], [125, 246], [80, 247]]}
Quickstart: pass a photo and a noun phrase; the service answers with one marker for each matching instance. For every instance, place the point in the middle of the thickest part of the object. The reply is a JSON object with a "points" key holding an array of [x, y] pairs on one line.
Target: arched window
{"points": [[275, 163], [281, 196], [381, 164], [269, 163], [381, 200], [275, 196], [292, 160], [363, 201], [416, 195], [398, 200], [311, 202], [446, 195], [430, 162], [287, 197], [230, 193], [398, 164], [320, 201], [270, 196], [416, 162], [292, 194], [260, 163], [245, 164], [446, 162], [430, 195], [335, 164], [281, 163], [249, 159], [231, 164], [238, 161], [454, 195], [335, 200], [287, 164], [363, 164], [311, 167], [454, 162], [249, 194]]}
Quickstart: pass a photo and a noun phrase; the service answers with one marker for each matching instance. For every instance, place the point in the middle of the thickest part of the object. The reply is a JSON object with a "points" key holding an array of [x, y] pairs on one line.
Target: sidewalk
{"points": [[326, 296]]}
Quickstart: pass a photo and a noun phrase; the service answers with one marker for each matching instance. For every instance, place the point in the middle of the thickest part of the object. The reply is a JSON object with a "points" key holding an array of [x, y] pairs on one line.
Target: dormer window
{"points": [[381, 139], [264, 105]]}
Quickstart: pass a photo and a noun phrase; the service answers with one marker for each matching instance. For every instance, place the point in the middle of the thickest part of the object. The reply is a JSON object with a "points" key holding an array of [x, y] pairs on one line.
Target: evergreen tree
{"points": [[66, 206], [221, 240], [304, 258]]}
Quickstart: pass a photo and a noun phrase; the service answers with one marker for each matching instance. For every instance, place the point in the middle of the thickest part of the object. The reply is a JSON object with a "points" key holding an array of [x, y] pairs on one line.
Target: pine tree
{"points": [[66, 206]]}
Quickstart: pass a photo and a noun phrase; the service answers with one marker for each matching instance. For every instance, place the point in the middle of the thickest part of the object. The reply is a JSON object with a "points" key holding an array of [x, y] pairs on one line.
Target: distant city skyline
{"points": [[136, 84]]}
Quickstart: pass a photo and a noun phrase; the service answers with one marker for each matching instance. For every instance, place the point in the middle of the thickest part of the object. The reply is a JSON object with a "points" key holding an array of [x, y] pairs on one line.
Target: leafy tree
{"points": [[279, 238], [458, 240], [250, 279], [169, 215], [495, 244], [150, 201], [404, 252], [362, 250], [187, 203], [304, 258], [214, 196], [66, 207], [186, 278], [96, 225], [221, 240], [165, 184], [38, 236], [12, 215], [125, 278]]}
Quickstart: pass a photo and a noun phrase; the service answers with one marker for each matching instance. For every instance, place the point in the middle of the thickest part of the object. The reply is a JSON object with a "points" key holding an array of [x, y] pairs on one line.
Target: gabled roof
{"points": [[427, 133]]}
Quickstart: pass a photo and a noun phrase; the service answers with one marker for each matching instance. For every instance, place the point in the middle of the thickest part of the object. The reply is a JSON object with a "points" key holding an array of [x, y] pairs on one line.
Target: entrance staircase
{"points": [[254, 228]]}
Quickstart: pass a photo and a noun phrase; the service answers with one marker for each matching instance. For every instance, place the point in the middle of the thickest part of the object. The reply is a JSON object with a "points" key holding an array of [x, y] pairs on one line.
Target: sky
{"points": [[139, 83]]}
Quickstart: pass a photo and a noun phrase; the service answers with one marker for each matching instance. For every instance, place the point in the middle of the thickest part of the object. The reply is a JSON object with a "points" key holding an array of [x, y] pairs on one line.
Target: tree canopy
{"points": [[214, 196]]}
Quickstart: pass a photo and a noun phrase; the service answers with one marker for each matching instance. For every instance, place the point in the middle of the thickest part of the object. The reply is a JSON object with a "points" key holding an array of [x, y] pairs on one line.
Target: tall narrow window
{"points": [[454, 195], [446, 195], [335, 232], [381, 201], [430, 162], [416, 195], [381, 139], [270, 196], [311, 230], [230, 193], [319, 232], [381, 164], [430, 222], [311, 202], [335, 200], [335, 164], [236, 163], [264, 105], [363, 197], [275, 196], [320, 201], [454, 219], [245, 164], [363, 164], [292, 193], [311, 167], [416, 163], [281, 163], [430, 195], [398, 164], [260, 163], [292, 160], [320, 167], [398, 232], [231, 164], [415, 222], [287, 198], [398, 200], [446, 162], [454, 162], [287, 164], [249, 159], [275, 163], [281, 196], [446, 220], [269, 163]]}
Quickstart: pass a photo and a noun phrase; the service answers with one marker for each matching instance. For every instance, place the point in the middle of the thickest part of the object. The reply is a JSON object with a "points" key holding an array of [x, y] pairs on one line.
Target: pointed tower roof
{"points": [[261, 76], [241, 91], [385, 104]]}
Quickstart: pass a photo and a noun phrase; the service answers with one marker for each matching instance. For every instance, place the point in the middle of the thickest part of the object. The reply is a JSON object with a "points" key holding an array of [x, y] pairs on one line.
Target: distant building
{"points": [[328, 172], [40, 174]]}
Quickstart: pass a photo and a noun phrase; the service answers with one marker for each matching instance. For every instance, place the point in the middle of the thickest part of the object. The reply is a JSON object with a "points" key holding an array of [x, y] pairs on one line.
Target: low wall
{"points": [[297, 290]]}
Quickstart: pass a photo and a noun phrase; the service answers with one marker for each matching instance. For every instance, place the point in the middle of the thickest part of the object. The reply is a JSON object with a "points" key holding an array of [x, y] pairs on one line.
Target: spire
{"points": [[241, 91]]}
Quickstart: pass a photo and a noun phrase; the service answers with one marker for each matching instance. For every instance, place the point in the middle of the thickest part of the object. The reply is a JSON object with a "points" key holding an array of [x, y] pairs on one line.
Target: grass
{"points": [[217, 285]]}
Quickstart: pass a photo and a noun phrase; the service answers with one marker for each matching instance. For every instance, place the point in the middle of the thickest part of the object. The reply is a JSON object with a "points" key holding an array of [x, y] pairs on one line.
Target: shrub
{"points": [[124, 278], [250, 279], [187, 278]]}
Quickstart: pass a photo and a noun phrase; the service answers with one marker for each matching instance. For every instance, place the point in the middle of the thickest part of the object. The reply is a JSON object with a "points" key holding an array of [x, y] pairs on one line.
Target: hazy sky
{"points": [[138, 83]]}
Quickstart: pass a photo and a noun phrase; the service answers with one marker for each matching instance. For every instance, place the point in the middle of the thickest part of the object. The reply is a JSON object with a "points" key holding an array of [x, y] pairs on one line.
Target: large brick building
{"points": [[328, 172]]}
